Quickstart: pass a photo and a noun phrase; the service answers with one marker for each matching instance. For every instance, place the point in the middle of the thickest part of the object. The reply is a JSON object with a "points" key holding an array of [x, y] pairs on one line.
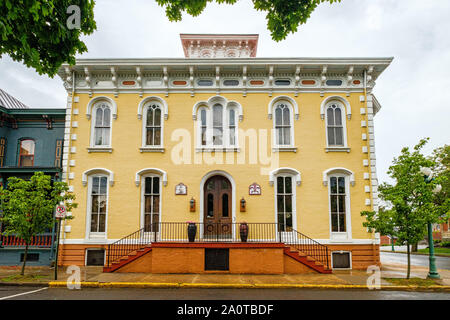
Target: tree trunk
{"points": [[24, 260], [408, 273], [414, 247]]}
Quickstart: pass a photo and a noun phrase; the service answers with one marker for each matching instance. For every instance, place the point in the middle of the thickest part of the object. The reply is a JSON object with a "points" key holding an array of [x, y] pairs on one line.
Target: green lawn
{"points": [[441, 250], [413, 282]]}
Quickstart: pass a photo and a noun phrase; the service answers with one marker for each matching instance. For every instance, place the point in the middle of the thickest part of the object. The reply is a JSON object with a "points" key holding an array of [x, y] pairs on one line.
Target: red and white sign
{"points": [[60, 212]]}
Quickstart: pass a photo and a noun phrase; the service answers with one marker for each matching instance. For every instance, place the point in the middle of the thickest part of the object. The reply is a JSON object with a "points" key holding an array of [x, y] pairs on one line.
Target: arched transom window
{"points": [[102, 125], [217, 126], [153, 132], [335, 126], [283, 125]]}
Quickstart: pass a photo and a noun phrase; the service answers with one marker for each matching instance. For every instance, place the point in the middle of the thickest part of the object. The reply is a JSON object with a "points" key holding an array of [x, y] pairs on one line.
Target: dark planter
{"points": [[192, 230], [243, 230]]}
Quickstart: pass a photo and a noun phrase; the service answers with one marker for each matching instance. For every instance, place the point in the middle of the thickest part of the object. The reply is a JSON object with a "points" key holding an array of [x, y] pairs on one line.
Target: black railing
{"points": [[215, 232], [306, 245]]}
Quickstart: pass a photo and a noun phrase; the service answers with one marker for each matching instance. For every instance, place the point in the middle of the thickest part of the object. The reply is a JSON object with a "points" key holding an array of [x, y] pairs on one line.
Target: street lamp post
{"points": [[432, 273]]}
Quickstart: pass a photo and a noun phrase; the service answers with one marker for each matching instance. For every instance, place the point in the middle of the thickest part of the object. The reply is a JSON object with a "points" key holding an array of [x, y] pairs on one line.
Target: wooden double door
{"points": [[217, 208]]}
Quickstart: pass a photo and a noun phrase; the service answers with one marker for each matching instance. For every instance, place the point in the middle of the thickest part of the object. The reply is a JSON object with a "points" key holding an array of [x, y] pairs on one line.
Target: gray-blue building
{"points": [[31, 140]]}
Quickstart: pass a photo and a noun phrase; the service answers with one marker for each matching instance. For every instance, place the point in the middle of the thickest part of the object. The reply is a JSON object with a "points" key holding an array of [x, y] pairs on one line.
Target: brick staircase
{"points": [[306, 260], [134, 255]]}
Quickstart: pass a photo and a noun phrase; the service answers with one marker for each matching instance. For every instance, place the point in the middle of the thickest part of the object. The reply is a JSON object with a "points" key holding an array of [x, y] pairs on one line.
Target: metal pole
{"points": [[433, 274], [57, 248]]}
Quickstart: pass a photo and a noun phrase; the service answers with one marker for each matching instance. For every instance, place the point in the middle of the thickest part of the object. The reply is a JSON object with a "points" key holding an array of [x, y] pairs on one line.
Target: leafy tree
{"points": [[28, 206], [410, 200], [441, 169], [283, 16], [36, 32]]}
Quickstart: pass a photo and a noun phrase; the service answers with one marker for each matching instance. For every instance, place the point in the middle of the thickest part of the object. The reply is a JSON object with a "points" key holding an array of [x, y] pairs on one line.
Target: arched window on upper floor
{"points": [[101, 126], [217, 124], [26, 152]]}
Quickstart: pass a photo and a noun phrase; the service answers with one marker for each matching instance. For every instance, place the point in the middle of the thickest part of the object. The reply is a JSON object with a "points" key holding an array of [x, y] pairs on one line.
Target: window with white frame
{"points": [[98, 203], [338, 203], [285, 205], [101, 125], [217, 126], [283, 124], [153, 125], [151, 199], [335, 120]]}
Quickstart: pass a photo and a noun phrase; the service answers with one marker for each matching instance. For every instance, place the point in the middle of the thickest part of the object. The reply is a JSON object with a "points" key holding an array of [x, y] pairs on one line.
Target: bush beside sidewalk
{"points": [[93, 277]]}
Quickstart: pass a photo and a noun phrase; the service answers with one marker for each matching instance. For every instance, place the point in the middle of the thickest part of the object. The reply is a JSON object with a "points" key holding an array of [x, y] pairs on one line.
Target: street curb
{"points": [[24, 284], [60, 284]]}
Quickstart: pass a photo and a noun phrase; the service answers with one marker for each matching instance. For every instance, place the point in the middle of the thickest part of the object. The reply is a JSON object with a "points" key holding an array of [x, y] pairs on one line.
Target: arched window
{"points": [[217, 126], [153, 132], [283, 125], [26, 153], [101, 125], [338, 181], [335, 125]]}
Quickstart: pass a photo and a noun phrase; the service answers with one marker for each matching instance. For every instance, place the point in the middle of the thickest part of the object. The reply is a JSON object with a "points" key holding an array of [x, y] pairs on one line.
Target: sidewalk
{"points": [[94, 277]]}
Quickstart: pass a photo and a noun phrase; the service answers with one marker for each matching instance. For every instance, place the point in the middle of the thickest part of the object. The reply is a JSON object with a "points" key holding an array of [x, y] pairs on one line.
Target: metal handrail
{"points": [[215, 232]]}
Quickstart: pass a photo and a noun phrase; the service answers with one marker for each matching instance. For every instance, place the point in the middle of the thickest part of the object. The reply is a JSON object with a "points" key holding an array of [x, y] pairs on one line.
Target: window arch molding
{"points": [[93, 102], [217, 100], [285, 170], [325, 103], [147, 101], [338, 170], [147, 171], [273, 103], [93, 171]]}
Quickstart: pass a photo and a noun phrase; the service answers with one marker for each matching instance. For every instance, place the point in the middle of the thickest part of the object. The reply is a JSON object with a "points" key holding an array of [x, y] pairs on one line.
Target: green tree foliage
{"points": [[410, 200], [441, 168], [35, 32], [283, 16], [28, 206]]}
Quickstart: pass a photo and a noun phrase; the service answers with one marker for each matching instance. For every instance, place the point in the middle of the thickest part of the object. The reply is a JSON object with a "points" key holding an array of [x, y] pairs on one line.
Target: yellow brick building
{"points": [[218, 138]]}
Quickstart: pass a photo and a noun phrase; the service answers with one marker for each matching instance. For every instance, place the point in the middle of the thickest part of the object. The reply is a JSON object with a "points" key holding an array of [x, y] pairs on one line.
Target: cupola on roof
{"points": [[211, 46]]}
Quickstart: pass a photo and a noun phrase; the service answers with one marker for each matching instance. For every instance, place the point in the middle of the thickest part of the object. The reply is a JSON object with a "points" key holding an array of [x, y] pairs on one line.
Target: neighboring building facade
{"points": [[31, 140], [222, 137]]}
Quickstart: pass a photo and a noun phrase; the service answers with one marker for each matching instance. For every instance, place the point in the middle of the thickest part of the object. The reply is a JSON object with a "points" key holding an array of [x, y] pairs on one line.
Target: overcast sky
{"points": [[412, 91]]}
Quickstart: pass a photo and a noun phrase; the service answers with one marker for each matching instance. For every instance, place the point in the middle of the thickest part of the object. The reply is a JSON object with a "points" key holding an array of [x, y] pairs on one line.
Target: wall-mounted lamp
{"points": [[192, 205], [243, 203]]}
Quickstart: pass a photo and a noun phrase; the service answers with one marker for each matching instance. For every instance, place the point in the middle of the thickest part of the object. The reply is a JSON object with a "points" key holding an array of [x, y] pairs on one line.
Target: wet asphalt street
{"points": [[33, 293], [416, 260]]}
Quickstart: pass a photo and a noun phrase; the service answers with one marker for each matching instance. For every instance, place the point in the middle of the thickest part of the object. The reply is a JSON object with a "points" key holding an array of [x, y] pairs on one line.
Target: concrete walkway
{"points": [[335, 280]]}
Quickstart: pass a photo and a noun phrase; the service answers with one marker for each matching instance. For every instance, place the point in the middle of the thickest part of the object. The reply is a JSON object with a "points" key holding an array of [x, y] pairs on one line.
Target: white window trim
{"points": [[154, 171], [92, 146], [334, 148], [294, 199], [347, 235], [96, 235], [342, 251], [144, 146], [92, 248], [142, 215], [283, 147], [94, 101], [225, 146]]}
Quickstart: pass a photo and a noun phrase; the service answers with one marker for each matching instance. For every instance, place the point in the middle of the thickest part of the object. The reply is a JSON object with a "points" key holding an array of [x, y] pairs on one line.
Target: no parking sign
{"points": [[60, 212]]}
